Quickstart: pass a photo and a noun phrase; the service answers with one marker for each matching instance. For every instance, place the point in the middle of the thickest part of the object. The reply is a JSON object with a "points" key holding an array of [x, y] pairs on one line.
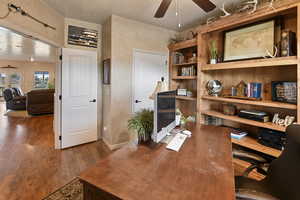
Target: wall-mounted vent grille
{"points": [[82, 37]]}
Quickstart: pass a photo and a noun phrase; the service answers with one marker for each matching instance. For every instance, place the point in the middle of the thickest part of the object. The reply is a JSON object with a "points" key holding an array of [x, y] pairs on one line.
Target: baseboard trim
{"points": [[114, 146]]}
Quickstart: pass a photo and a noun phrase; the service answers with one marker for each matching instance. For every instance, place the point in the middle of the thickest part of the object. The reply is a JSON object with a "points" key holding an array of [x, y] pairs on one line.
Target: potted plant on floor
{"points": [[142, 124]]}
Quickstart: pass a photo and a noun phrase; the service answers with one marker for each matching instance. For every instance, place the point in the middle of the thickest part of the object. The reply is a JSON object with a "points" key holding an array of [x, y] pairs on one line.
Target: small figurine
{"points": [[241, 89]]}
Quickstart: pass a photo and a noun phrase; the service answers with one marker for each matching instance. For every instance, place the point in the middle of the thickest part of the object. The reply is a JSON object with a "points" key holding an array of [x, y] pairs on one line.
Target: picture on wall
{"points": [[250, 42], [106, 72]]}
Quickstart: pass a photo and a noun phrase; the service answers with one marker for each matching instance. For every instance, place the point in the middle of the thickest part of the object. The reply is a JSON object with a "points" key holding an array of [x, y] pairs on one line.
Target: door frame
{"points": [[135, 51], [57, 101], [58, 132]]}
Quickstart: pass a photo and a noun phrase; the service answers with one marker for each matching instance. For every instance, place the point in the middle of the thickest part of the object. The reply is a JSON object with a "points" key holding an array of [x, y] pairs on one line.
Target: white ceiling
{"points": [[14, 46], [97, 11]]}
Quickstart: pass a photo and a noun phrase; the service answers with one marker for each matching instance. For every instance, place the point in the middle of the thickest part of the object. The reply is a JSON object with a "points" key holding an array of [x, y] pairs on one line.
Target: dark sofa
{"points": [[14, 99], [40, 102]]}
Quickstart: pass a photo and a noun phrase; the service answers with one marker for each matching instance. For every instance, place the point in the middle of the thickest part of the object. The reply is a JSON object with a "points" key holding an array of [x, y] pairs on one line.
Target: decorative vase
{"points": [[213, 61]]}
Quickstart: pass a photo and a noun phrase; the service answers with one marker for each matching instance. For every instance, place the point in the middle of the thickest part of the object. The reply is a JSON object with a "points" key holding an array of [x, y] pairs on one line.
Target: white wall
{"points": [[43, 12], [127, 35], [79, 23]]}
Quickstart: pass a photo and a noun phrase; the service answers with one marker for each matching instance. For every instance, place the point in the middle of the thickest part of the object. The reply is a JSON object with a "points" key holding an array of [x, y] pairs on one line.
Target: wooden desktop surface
{"points": [[202, 169]]}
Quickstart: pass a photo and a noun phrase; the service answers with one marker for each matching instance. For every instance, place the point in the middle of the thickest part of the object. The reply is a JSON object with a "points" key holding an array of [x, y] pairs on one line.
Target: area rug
{"points": [[17, 113], [71, 191]]}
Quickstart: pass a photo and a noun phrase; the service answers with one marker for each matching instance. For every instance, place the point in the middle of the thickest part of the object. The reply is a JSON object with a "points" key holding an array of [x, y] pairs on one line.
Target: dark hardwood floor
{"points": [[30, 167]]}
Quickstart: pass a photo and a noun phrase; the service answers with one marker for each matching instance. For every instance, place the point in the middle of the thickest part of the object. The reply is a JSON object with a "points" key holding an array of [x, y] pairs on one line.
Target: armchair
{"points": [[14, 100], [282, 176]]}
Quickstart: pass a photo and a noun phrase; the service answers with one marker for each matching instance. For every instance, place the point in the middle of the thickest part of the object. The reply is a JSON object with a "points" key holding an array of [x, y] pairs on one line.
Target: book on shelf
{"points": [[188, 71], [238, 134], [254, 90], [178, 58]]}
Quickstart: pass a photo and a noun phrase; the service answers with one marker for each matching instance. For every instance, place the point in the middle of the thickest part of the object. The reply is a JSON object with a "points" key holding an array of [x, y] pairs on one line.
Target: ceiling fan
{"points": [[9, 67], [206, 5]]}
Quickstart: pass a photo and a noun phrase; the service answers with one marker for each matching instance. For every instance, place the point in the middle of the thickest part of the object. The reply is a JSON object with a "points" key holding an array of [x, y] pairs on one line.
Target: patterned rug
{"points": [[71, 191]]}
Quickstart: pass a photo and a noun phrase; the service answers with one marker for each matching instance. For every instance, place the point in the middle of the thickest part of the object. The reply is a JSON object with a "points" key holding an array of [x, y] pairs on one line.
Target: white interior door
{"points": [[148, 69], [79, 97]]}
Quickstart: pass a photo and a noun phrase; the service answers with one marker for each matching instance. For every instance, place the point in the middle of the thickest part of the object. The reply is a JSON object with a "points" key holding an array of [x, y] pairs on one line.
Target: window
{"points": [[2, 83], [41, 79], [14, 80]]}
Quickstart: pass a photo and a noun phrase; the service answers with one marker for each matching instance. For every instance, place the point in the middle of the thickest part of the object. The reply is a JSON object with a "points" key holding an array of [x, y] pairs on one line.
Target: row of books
{"points": [[254, 90], [188, 71]]}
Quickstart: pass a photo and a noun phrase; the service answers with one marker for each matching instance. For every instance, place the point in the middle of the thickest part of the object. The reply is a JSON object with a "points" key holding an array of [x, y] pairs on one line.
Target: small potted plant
{"points": [[142, 124], [213, 52]]}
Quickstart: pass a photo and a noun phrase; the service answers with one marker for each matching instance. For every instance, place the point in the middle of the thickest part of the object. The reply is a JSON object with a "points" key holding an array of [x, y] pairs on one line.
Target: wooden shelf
{"points": [[184, 77], [268, 125], [183, 45], [240, 166], [186, 98], [251, 143], [185, 64], [263, 103], [270, 62]]}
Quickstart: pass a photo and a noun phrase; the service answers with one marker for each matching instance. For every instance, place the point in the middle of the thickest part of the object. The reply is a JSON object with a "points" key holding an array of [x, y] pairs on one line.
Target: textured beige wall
{"points": [[26, 69], [127, 35], [43, 12], [106, 89]]}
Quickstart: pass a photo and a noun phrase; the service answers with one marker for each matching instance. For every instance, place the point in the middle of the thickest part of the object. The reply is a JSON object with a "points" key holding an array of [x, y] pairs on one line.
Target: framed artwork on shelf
{"points": [[250, 42], [106, 72]]}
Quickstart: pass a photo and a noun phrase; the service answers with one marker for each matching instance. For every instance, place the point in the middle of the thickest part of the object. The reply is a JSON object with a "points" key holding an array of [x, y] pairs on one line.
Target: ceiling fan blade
{"points": [[9, 67], [206, 5], [161, 11]]}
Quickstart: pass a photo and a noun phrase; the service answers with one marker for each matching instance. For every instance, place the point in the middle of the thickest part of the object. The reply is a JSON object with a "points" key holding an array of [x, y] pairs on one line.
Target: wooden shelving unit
{"points": [[185, 64], [257, 70], [268, 125], [186, 98], [251, 143], [263, 103], [241, 166], [187, 105], [185, 77], [269, 62], [183, 45]]}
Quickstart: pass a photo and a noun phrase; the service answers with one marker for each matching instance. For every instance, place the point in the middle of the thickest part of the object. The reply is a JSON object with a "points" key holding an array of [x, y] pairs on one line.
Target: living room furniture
{"points": [[202, 169], [281, 181], [14, 100], [40, 102]]}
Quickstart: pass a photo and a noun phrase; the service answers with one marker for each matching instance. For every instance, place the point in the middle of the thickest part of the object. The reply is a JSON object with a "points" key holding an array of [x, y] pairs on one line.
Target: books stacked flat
{"points": [[188, 71], [238, 134], [254, 90]]}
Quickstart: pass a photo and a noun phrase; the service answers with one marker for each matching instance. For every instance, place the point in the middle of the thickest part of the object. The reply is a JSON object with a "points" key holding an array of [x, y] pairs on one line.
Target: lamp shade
{"points": [[161, 86]]}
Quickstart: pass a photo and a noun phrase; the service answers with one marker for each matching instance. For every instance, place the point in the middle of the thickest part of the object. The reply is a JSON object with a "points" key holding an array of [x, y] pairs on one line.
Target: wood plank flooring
{"points": [[30, 167]]}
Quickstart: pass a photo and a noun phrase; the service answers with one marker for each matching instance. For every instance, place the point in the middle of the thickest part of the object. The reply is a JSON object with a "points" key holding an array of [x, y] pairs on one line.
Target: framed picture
{"points": [[249, 42], [106, 72]]}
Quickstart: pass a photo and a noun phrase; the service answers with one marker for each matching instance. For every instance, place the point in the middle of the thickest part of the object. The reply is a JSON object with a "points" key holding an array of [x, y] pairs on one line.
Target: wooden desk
{"points": [[201, 170]]}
